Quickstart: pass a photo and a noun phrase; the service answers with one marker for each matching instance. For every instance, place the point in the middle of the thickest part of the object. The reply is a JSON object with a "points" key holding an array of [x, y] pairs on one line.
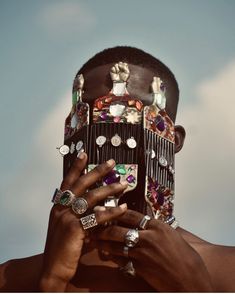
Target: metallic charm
{"points": [[143, 223], [80, 205], [116, 109], [158, 89], [88, 221], [79, 146], [100, 141], [132, 238], [171, 170], [116, 140], [162, 161], [175, 224], [131, 142], [65, 198], [153, 154], [72, 148], [126, 251], [120, 72], [63, 149], [170, 220]]}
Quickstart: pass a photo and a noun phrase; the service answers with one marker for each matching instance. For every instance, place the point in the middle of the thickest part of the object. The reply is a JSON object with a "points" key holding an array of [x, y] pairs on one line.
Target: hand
{"points": [[161, 257], [120, 72], [66, 235]]}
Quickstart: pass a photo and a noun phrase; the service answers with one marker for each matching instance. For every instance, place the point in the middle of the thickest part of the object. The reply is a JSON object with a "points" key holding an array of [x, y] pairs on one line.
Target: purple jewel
{"points": [[103, 115], [160, 124], [111, 177], [130, 179], [160, 199]]}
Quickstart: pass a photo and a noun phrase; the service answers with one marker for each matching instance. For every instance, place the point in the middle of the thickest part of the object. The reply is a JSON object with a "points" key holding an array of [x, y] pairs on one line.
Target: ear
{"points": [[180, 135]]}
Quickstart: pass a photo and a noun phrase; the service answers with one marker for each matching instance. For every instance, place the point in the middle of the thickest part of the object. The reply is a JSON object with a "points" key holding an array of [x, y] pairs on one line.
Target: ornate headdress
{"points": [[139, 138]]}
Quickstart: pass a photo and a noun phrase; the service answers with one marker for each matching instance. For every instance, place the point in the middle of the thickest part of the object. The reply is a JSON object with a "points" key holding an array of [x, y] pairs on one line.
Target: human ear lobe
{"points": [[180, 135]]}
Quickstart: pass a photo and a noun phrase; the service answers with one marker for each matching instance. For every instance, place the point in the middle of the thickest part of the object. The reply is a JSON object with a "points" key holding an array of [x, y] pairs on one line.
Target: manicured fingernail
{"points": [[124, 183], [110, 162], [82, 155], [123, 206]]}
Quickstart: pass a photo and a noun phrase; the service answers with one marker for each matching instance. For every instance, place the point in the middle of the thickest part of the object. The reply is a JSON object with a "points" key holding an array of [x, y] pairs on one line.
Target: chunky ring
{"points": [[65, 198], [88, 221], [131, 238], [126, 251], [79, 205], [175, 224], [143, 223]]}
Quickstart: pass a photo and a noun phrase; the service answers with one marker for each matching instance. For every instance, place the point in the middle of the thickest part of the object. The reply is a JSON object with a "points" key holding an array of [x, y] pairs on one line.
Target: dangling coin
{"points": [[116, 140], [162, 161], [100, 141], [64, 149], [79, 145], [131, 142]]}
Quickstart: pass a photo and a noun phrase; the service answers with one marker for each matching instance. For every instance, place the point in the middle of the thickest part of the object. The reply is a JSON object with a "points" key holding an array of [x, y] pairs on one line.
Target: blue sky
{"points": [[43, 44]]}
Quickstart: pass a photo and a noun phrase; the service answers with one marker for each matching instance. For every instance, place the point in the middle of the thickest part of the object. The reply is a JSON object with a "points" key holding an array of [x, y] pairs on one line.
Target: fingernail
{"points": [[82, 155], [99, 208], [123, 206], [110, 162], [124, 183]]}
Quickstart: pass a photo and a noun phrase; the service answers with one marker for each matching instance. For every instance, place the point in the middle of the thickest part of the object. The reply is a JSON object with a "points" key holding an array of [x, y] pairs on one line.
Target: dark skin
{"points": [[164, 259]]}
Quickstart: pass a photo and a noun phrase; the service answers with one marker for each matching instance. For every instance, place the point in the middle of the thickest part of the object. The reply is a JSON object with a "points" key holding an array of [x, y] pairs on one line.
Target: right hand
{"points": [[65, 236]]}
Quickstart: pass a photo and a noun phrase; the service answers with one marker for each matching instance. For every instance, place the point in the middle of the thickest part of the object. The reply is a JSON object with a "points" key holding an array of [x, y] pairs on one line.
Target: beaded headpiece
{"points": [[139, 138]]}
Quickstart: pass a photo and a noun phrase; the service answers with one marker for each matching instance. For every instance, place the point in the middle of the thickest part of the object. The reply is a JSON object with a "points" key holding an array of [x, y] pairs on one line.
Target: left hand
{"points": [[161, 257]]}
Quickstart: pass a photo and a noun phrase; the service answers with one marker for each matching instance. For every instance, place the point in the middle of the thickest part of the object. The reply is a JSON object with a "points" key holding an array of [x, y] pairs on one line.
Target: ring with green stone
{"points": [[65, 198]]}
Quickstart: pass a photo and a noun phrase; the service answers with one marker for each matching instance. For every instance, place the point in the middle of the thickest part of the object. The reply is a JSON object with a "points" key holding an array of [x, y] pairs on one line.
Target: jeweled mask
{"points": [[139, 138]]}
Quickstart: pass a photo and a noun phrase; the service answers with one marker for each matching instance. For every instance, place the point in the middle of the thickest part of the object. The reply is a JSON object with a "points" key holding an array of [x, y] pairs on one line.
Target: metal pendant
{"points": [[116, 140], [100, 141], [63, 149], [131, 143]]}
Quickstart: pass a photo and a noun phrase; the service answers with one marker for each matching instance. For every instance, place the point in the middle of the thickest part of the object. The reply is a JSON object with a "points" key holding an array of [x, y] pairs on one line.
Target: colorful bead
{"points": [[160, 124], [138, 105], [130, 179], [121, 169], [111, 177]]}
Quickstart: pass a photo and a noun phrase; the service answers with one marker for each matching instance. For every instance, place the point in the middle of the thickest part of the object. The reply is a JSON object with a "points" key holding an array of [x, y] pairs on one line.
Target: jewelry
{"points": [[100, 141], [143, 223], [162, 161], [65, 198], [116, 140], [72, 148], [175, 224], [131, 142], [88, 221], [79, 205], [79, 146], [132, 238], [63, 149], [126, 251], [128, 269]]}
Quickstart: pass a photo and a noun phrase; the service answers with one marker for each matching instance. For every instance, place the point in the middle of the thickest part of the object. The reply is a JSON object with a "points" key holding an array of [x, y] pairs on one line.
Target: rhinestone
{"points": [[79, 145], [162, 161], [130, 179], [160, 124], [111, 177], [131, 143], [64, 149], [117, 109], [116, 140], [103, 116], [120, 168], [100, 140]]}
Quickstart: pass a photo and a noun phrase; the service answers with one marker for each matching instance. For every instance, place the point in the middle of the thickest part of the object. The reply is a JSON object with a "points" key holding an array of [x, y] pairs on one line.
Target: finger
{"points": [[95, 175], [96, 195], [110, 214], [133, 218], [75, 171], [116, 249]]}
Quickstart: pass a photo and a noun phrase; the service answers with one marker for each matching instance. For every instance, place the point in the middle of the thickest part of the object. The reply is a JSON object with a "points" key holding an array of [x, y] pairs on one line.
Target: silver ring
{"points": [[143, 223], [79, 205], [126, 251], [65, 198], [175, 224], [88, 221], [131, 238]]}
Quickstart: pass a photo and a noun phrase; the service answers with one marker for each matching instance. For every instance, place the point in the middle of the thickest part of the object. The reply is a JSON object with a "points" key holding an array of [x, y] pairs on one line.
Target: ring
{"points": [[79, 205], [65, 198], [175, 224], [143, 223], [126, 251], [88, 221], [131, 238]]}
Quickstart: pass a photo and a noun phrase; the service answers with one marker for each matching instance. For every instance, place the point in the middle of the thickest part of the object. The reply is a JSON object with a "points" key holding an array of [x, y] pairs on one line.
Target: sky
{"points": [[42, 46]]}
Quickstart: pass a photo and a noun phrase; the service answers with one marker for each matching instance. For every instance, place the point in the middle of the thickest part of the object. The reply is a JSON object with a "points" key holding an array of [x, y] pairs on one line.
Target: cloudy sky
{"points": [[43, 44]]}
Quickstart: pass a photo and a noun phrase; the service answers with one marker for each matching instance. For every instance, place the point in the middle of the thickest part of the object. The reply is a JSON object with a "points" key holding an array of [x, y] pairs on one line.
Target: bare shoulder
{"points": [[21, 275], [219, 260]]}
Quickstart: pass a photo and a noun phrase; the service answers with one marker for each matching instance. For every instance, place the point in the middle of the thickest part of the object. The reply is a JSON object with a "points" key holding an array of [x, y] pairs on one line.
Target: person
{"points": [[163, 259]]}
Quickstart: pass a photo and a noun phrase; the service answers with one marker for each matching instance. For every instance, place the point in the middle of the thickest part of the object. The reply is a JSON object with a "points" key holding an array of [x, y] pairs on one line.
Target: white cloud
{"points": [[205, 167], [66, 18]]}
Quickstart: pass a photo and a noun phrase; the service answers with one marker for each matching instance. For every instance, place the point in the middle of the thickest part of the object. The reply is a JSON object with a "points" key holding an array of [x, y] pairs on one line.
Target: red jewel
{"points": [[108, 100], [131, 102], [99, 105], [138, 105]]}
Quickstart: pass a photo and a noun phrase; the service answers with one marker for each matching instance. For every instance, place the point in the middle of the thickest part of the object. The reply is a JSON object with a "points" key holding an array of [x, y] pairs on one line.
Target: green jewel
{"points": [[74, 98], [120, 168], [64, 198]]}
